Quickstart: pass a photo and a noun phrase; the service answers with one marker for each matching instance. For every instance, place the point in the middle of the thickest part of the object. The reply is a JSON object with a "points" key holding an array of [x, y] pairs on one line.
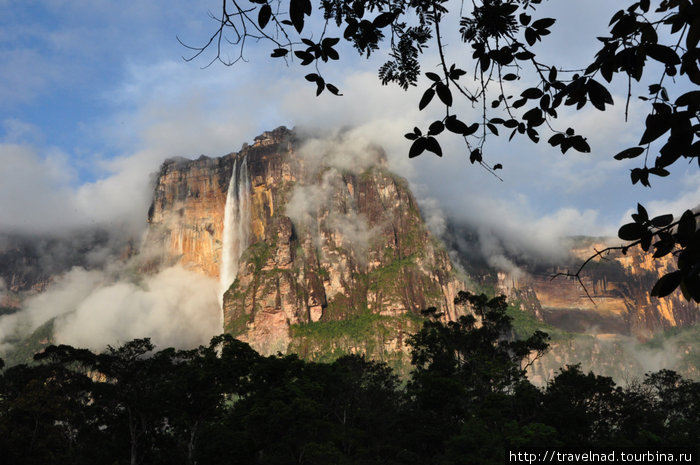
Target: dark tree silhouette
{"points": [[466, 401]]}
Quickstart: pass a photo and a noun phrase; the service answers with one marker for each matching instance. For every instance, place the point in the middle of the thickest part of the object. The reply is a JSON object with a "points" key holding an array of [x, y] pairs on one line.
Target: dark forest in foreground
{"points": [[467, 400]]}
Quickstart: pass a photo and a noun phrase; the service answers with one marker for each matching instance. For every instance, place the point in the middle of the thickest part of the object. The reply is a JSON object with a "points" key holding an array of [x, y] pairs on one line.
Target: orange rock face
{"points": [[187, 215], [615, 298]]}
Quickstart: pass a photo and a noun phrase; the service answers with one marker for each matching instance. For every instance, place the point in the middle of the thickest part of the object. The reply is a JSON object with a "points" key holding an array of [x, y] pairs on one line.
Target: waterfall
{"points": [[236, 226]]}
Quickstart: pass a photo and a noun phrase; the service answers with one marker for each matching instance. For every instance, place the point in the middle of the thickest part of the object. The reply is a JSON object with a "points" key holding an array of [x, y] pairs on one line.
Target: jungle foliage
{"points": [[467, 400]]}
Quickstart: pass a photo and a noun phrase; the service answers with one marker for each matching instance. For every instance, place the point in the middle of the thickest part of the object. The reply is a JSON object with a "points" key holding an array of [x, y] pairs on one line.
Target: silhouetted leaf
{"points": [[629, 153], [383, 20], [475, 156], [667, 284], [351, 30], [418, 147], [264, 15], [333, 89], [456, 73], [279, 52], [454, 125], [664, 246], [533, 135], [329, 41], [556, 139], [531, 36], [297, 10], [436, 128], [471, 129], [658, 171], [598, 94], [663, 53], [689, 98], [662, 220], [630, 232], [531, 93], [519, 103], [543, 23], [534, 117], [642, 212], [444, 93], [432, 145], [656, 126], [686, 227], [306, 57], [358, 7], [427, 97], [639, 174], [524, 55]]}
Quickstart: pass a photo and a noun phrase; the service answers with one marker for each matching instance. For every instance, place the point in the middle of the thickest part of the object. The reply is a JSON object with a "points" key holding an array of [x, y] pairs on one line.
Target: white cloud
{"points": [[94, 308], [175, 307], [38, 192], [63, 297]]}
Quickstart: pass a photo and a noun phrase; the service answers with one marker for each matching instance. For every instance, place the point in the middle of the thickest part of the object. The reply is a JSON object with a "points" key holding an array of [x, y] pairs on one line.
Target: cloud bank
{"points": [[174, 307]]}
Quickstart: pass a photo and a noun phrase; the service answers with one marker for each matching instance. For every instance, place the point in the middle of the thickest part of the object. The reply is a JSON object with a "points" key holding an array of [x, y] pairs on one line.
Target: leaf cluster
{"points": [[498, 52]]}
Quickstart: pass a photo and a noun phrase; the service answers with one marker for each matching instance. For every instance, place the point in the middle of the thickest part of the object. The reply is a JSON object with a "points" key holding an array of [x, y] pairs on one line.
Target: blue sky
{"points": [[95, 94]]}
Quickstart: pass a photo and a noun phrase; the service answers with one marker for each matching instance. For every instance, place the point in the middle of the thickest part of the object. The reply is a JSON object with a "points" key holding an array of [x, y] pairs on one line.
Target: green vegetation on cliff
{"points": [[375, 336]]}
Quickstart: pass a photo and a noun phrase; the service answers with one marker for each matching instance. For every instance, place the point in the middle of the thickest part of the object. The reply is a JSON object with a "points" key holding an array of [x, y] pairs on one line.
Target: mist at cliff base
{"points": [[93, 308]]}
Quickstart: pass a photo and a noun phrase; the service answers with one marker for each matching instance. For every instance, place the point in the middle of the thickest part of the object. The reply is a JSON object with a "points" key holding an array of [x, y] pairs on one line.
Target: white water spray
{"points": [[236, 226]]}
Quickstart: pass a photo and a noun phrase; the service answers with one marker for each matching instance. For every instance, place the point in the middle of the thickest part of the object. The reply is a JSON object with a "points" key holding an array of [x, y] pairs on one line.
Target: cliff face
{"points": [[186, 216], [618, 299], [314, 246]]}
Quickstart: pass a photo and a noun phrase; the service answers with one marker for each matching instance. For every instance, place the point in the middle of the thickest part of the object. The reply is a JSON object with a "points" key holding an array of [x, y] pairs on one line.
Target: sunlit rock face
{"points": [[186, 218], [323, 244], [612, 297]]}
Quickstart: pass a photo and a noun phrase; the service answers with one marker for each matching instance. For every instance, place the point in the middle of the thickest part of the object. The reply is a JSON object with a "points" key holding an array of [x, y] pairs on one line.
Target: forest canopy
{"points": [[467, 400]]}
